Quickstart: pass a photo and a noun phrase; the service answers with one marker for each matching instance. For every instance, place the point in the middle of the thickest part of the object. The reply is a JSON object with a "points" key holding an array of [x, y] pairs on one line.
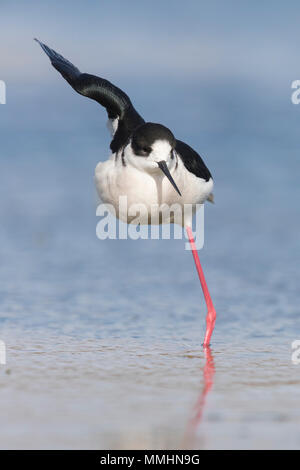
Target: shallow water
{"points": [[65, 392]]}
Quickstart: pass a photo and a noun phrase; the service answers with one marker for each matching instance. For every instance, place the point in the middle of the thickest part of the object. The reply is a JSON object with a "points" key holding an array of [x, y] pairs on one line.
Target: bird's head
{"points": [[152, 149]]}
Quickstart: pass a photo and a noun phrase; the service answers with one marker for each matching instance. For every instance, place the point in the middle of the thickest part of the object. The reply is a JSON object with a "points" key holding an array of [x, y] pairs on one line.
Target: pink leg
{"points": [[211, 313]]}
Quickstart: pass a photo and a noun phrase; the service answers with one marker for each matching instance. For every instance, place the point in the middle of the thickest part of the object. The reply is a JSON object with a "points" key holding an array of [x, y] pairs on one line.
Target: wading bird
{"points": [[148, 164]]}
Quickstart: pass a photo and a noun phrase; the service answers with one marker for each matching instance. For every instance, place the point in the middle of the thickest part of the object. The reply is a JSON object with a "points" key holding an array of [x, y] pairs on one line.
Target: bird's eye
{"points": [[140, 149]]}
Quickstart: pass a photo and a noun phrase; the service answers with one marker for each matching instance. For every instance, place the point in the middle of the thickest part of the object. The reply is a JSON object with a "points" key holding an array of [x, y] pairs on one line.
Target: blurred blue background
{"points": [[219, 75]]}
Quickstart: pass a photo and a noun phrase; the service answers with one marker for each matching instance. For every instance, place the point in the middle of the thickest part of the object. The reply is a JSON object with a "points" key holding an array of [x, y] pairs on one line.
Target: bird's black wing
{"points": [[116, 102], [192, 160]]}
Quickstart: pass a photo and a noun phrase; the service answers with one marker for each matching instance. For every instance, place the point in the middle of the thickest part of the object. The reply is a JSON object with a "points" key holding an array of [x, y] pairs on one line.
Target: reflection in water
{"points": [[208, 380]]}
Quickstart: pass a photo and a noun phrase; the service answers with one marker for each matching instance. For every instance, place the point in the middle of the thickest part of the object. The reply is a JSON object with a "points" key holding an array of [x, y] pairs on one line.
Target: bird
{"points": [[147, 164]]}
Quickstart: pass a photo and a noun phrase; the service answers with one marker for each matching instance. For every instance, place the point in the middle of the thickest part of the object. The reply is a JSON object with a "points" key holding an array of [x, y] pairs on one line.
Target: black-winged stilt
{"points": [[145, 159]]}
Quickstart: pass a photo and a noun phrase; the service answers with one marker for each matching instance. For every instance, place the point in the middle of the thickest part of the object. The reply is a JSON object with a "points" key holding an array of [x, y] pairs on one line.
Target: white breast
{"points": [[113, 180]]}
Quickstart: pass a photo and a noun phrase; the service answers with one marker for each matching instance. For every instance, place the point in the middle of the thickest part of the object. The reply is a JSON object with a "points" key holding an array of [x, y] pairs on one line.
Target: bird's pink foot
{"points": [[210, 324]]}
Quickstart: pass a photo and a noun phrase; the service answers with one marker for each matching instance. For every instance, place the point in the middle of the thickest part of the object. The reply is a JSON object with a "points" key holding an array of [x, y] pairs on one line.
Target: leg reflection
{"points": [[208, 380]]}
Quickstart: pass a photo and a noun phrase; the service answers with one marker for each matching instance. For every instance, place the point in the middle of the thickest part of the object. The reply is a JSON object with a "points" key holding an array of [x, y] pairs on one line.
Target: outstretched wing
{"points": [[118, 105]]}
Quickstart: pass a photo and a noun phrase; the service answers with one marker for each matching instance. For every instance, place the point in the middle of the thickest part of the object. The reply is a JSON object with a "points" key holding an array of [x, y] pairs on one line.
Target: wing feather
{"points": [[192, 160], [116, 102]]}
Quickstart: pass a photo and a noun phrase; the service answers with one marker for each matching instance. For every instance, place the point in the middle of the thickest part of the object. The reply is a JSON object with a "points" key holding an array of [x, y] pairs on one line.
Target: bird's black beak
{"points": [[163, 166]]}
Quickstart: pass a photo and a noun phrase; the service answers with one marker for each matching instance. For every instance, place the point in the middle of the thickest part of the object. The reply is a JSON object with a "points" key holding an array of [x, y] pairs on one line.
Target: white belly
{"points": [[113, 180]]}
